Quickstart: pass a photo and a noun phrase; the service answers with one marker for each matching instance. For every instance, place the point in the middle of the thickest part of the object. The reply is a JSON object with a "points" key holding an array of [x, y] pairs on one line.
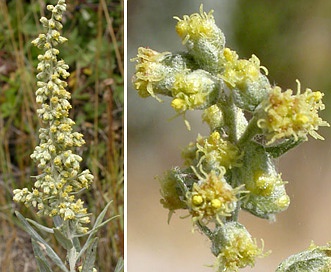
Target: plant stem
{"points": [[229, 111], [206, 230], [71, 253]]}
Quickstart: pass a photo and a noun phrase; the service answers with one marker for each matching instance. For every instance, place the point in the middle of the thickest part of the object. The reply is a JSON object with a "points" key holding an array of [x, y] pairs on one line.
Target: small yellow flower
{"points": [[285, 115], [196, 26], [216, 153], [54, 100], [265, 183], [68, 214], [179, 104], [240, 72], [211, 199], [149, 71], [213, 117], [35, 192], [197, 200], [248, 85], [53, 212], [194, 90], [85, 220]]}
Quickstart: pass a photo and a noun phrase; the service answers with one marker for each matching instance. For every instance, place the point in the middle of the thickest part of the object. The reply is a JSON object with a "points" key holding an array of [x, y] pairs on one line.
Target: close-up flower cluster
{"points": [[211, 198], [251, 123], [56, 187], [286, 115]]}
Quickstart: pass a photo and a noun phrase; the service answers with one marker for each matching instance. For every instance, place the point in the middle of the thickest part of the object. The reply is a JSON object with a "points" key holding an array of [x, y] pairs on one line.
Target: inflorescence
{"points": [[251, 123], [56, 187]]}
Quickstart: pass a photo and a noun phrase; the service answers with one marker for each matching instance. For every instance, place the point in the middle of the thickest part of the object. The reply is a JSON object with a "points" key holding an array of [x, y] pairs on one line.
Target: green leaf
{"points": [[39, 226], [119, 266], [43, 266], [58, 221], [86, 245], [40, 257], [76, 243], [283, 147], [62, 239], [48, 250], [90, 256], [102, 215]]}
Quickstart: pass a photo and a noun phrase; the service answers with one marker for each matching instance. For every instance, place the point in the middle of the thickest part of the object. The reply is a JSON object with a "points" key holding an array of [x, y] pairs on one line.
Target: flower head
{"points": [[232, 168], [285, 115], [199, 26], [244, 77], [268, 201], [235, 248], [149, 71], [156, 72], [216, 153], [203, 39], [211, 198], [195, 90], [266, 194], [240, 72]]}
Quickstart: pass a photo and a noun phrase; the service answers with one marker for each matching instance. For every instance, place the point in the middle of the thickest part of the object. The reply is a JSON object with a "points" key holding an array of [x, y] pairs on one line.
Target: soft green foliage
{"points": [[251, 123]]}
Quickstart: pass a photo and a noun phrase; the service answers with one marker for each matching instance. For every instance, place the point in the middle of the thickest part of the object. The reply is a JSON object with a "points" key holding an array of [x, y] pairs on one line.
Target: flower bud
{"points": [[267, 195], [203, 39], [315, 258], [213, 117], [44, 21], [172, 190], [195, 90], [155, 72], [212, 153]]}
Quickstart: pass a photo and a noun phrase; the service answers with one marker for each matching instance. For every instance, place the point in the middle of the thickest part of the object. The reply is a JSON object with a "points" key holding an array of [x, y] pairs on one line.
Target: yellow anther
{"points": [[216, 203], [197, 200]]}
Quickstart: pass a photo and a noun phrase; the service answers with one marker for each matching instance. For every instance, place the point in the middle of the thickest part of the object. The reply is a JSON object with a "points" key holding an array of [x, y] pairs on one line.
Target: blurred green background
{"points": [[94, 52], [293, 40]]}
